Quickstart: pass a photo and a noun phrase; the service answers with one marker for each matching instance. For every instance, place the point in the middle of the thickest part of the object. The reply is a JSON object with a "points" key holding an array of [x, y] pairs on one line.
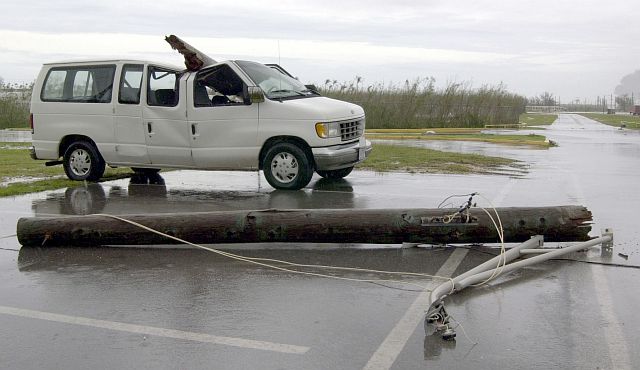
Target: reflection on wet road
{"points": [[557, 315]]}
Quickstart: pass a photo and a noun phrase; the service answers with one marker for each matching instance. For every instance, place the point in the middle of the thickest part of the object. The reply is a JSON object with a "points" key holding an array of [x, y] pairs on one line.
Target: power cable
{"points": [[261, 261]]}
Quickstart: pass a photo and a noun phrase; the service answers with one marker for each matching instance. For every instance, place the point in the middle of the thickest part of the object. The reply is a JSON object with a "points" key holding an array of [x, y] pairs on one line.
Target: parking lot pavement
{"points": [[184, 308]]}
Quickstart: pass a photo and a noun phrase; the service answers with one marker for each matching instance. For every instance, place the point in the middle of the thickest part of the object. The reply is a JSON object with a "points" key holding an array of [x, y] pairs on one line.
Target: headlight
{"points": [[327, 130]]}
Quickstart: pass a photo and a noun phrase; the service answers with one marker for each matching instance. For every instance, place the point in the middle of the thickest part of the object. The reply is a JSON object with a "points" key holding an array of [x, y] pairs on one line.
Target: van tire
{"points": [[145, 171], [84, 200], [287, 166], [336, 174], [82, 161]]}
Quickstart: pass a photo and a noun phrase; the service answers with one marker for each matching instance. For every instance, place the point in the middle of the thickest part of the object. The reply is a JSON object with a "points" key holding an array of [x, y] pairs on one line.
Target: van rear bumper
{"points": [[341, 156], [32, 152]]}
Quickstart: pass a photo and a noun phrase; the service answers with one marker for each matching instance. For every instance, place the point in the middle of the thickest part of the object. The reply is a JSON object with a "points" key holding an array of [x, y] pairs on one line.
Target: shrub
{"points": [[419, 104], [14, 106]]}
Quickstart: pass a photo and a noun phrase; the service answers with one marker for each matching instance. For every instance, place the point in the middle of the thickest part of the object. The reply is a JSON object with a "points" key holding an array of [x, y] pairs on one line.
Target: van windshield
{"points": [[275, 84]]}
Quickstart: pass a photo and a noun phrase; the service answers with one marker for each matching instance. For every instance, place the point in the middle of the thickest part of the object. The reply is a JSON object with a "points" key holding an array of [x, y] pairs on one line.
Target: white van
{"points": [[234, 115]]}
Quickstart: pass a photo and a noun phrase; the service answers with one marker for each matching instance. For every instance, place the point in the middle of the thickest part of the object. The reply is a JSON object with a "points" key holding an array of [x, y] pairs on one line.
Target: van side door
{"points": [[164, 118], [223, 123], [131, 144]]}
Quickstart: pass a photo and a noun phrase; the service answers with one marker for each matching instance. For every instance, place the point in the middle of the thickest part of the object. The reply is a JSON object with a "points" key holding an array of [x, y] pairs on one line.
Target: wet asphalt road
{"points": [[183, 308]]}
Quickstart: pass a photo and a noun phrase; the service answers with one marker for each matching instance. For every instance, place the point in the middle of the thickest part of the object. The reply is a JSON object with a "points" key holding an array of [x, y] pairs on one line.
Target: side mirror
{"points": [[256, 95], [311, 87]]}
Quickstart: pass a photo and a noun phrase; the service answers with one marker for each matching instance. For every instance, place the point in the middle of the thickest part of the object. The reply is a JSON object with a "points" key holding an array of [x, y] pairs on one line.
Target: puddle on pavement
{"points": [[547, 183], [594, 166], [522, 153]]}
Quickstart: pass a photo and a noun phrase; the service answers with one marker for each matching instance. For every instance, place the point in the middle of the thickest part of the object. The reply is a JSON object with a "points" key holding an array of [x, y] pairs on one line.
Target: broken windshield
{"points": [[275, 85]]}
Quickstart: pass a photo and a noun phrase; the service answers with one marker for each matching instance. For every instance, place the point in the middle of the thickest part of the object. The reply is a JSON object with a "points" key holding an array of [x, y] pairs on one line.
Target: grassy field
{"points": [[616, 120], [420, 104], [417, 104], [538, 141], [395, 158], [32, 176], [537, 119], [14, 109]]}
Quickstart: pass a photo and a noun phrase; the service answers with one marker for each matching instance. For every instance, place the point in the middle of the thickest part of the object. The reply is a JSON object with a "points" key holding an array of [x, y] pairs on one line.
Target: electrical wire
{"points": [[261, 261], [454, 196], [499, 228], [463, 331], [497, 225], [597, 263], [502, 260], [10, 249], [396, 288]]}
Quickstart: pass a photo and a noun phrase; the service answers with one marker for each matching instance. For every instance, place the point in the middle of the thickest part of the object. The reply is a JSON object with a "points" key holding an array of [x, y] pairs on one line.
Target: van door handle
{"points": [[194, 130], [150, 128]]}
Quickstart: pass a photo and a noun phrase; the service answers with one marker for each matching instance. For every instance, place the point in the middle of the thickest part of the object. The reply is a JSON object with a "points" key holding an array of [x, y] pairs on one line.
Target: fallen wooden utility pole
{"points": [[563, 223]]}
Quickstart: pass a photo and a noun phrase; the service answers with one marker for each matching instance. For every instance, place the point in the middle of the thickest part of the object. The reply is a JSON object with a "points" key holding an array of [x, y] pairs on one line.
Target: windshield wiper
{"points": [[286, 91], [312, 91]]}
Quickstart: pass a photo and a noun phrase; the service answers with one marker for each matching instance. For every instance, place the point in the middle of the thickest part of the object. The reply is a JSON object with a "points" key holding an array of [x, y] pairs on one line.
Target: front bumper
{"points": [[342, 155]]}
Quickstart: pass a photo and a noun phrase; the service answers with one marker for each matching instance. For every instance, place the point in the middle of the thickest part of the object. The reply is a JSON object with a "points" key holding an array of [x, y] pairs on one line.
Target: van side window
{"points": [[219, 85], [90, 84], [162, 87], [130, 84], [82, 84], [54, 86]]}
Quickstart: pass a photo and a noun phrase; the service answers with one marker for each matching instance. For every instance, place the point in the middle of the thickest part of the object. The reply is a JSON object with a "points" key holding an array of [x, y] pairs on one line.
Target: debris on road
{"points": [[431, 226]]}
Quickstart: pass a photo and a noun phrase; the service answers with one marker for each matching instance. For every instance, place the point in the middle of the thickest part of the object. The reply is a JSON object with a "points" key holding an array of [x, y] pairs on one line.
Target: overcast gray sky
{"points": [[574, 49]]}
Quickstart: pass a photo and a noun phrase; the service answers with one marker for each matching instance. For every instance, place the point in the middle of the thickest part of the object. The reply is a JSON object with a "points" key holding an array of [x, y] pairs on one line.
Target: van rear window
{"points": [[79, 84]]}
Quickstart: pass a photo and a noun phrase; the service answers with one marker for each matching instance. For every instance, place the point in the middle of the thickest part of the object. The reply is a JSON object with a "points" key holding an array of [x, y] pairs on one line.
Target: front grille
{"points": [[351, 130]]}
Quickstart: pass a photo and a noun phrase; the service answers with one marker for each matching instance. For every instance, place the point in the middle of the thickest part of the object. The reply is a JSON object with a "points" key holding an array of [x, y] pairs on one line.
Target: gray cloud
{"points": [[569, 47]]}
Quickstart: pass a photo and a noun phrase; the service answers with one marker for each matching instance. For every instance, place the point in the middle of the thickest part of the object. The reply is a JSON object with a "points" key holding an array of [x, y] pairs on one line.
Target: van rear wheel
{"points": [[287, 167], [82, 161]]}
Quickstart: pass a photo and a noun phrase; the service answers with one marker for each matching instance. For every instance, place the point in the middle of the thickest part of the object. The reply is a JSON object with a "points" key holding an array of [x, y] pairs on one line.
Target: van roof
{"points": [[114, 60]]}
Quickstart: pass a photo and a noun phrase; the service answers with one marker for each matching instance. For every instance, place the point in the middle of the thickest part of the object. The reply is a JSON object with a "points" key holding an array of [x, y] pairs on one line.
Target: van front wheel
{"points": [[287, 167], [82, 161]]}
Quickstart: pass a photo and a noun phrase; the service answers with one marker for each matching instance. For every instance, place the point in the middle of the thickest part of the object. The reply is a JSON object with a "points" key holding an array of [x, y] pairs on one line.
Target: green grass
{"points": [[50, 184], [34, 176], [395, 158], [537, 119], [538, 141], [616, 120]]}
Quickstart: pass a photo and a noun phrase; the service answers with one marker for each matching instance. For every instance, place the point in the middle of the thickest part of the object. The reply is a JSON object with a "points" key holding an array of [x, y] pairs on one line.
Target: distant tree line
{"points": [[545, 99]]}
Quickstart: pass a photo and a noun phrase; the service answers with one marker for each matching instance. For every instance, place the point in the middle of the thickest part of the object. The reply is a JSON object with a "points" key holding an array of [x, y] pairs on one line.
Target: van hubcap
{"points": [[284, 167], [80, 162]]}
